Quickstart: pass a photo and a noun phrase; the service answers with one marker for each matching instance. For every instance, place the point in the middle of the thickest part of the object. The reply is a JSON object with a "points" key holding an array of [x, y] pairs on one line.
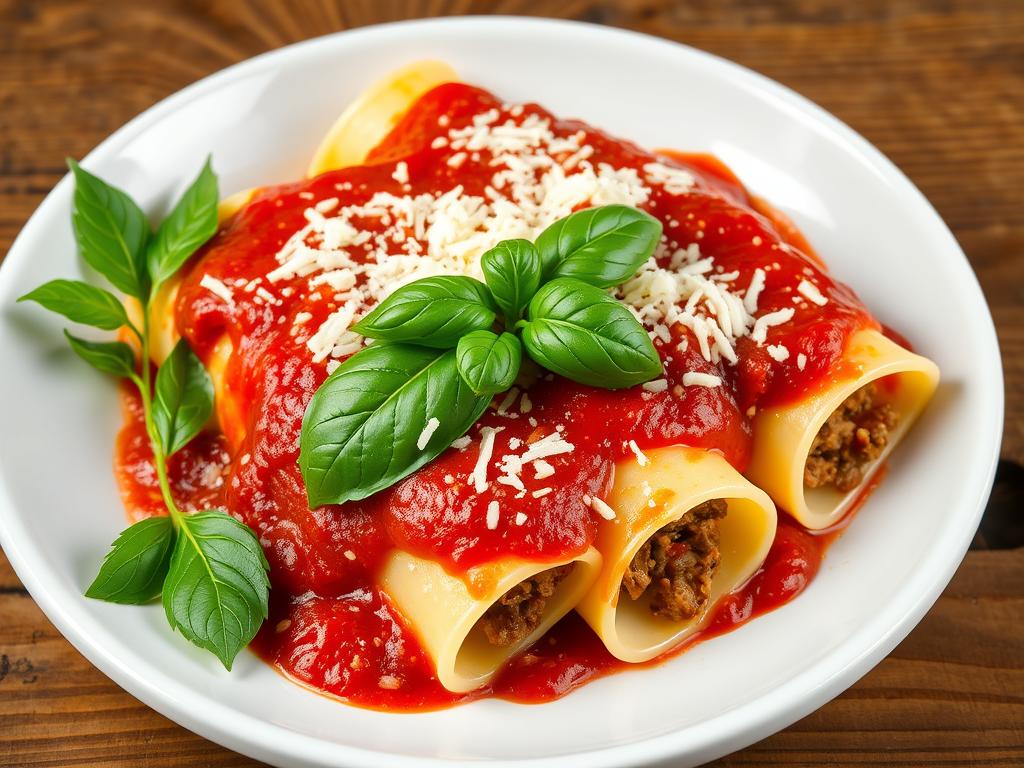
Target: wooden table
{"points": [[938, 85]]}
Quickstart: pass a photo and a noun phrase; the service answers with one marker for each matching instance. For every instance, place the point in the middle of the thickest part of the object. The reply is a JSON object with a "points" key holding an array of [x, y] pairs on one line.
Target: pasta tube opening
{"points": [[673, 571], [472, 624], [814, 456], [519, 611], [850, 440], [688, 530]]}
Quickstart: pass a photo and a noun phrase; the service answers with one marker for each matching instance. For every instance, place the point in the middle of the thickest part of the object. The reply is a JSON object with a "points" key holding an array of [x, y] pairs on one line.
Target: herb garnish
{"points": [[447, 345], [208, 567]]}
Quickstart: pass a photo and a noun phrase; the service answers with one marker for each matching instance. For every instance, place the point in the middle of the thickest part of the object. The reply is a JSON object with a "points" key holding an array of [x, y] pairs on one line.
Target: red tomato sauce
{"points": [[331, 628]]}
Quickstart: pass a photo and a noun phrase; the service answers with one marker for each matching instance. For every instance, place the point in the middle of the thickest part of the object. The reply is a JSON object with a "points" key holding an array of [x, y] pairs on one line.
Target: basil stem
{"points": [[208, 567]]}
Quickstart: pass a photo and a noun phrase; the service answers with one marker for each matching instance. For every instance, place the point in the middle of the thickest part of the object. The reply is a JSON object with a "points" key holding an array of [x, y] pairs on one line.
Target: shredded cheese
{"points": [[478, 477], [602, 509], [427, 433], [641, 458], [754, 291], [658, 385], [217, 288], [810, 291], [542, 469], [696, 379], [770, 320], [550, 445]]}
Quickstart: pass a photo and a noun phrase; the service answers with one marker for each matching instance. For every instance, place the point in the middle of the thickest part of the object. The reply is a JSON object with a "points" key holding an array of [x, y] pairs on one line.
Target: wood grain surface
{"points": [[938, 85]]}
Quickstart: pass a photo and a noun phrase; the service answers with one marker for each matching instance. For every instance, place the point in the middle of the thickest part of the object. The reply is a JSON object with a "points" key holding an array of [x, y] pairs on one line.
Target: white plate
{"points": [[59, 507]]}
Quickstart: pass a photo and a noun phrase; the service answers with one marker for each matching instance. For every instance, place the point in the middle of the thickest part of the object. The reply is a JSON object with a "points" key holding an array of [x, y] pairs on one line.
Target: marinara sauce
{"points": [[331, 628]]}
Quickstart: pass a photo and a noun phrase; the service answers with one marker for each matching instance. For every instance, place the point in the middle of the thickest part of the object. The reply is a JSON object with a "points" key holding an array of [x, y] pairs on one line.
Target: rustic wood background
{"points": [[938, 85]]}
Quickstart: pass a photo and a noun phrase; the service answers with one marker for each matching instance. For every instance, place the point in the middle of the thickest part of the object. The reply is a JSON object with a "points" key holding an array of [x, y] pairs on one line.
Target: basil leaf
{"points": [[580, 332], [192, 222], [183, 398], [80, 303], [362, 428], [111, 231], [512, 271], [134, 569], [602, 246], [216, 592], [489, 363], [433, 312], [113, 357]]}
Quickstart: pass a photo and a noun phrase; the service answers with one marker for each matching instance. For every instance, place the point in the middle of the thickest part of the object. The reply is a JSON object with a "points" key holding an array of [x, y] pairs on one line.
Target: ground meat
{"points": [[520, 610], [678, 563], [855, 434]]}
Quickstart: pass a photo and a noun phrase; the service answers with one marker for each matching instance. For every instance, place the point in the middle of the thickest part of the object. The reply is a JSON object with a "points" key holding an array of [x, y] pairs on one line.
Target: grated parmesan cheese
{"points": [[506, 403], [602, 509], [754, 291], [542, 469], [675, 181], [492, 515], [696, 379], [810, 292], [478, 477], [217, 288], [641, 458], [548, 446], [322, 343], [427, 433], [770, 320], [658, 385]]}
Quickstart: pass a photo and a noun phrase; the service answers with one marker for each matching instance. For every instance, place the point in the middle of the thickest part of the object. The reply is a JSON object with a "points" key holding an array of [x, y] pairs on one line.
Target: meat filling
{"points": [[855, 434], [676, 565], [520, 610]]}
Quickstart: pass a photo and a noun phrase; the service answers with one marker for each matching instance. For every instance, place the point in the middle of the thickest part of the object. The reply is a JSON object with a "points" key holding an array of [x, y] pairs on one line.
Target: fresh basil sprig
{"points": [[208, 567], [394, 406]]}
